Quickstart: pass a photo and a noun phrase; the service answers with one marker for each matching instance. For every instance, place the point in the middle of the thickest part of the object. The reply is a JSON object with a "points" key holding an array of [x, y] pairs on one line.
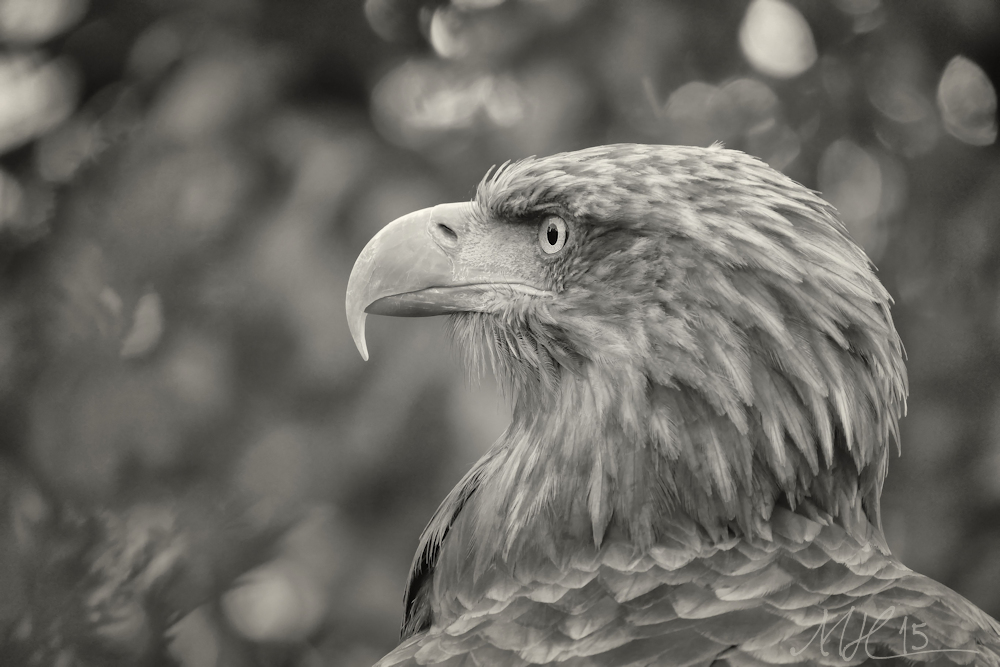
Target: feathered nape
{"points": [[717, 346]]}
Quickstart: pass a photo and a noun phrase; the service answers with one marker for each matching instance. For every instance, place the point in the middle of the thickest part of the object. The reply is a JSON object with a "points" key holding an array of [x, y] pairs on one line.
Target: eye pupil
{"points": [[552, 235]]}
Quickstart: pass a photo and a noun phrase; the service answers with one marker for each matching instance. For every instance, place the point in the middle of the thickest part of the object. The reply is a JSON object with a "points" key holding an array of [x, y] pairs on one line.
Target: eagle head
{"points": [[684, 332]]}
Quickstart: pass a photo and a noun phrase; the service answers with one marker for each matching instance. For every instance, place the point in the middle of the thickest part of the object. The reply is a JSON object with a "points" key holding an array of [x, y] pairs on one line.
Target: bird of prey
{"points": [[706, 385]]}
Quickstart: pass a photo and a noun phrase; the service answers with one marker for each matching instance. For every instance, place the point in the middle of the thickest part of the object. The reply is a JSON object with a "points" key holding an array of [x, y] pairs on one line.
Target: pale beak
{"points": [[413, 268]]}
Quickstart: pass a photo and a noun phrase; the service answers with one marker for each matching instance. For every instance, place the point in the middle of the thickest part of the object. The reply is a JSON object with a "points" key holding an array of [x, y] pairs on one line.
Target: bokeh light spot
{"points": [[155, 50], [900, 101], [34, 97], [755, 100], [38, 20], [968, 102], [419, 101], [776, 39], [147, 327], [850, 178], [699, 113], [477, 4], [867, 14], [858, 7], [275, 602], [11, 200], [446, 35]]}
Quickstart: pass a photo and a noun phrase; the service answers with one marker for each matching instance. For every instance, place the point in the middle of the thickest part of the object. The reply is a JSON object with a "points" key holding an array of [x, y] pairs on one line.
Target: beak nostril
{"points": [[447, 234]]}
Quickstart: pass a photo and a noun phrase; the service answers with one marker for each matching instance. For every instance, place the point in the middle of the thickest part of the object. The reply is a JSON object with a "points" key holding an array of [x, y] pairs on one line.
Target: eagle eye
{"points": [[552, 235]]}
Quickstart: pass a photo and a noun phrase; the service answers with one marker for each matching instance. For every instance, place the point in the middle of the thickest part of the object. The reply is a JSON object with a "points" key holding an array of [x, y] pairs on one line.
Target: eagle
{"points": [[706, 383]]}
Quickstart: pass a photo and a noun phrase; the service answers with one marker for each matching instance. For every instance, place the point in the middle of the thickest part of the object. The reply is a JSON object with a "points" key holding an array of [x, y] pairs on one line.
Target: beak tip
{"points": [[357, 326], [356, 317]]}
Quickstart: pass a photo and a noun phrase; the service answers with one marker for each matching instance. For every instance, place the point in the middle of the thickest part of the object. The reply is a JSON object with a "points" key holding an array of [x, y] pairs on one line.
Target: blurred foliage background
{"points": [[196, 467]]}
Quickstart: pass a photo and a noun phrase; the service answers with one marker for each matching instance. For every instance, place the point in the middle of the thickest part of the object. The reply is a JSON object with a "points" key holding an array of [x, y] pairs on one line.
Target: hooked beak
{"points": [[414, 267]]}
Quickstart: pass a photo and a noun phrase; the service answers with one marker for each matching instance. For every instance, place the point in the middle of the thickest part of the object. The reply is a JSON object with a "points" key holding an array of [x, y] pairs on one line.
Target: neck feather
{"points": [[588, 460]]}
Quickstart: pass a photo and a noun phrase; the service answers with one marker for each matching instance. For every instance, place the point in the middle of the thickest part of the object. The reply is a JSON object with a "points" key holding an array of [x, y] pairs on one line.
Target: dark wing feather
{"points": [[416, 597]]}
